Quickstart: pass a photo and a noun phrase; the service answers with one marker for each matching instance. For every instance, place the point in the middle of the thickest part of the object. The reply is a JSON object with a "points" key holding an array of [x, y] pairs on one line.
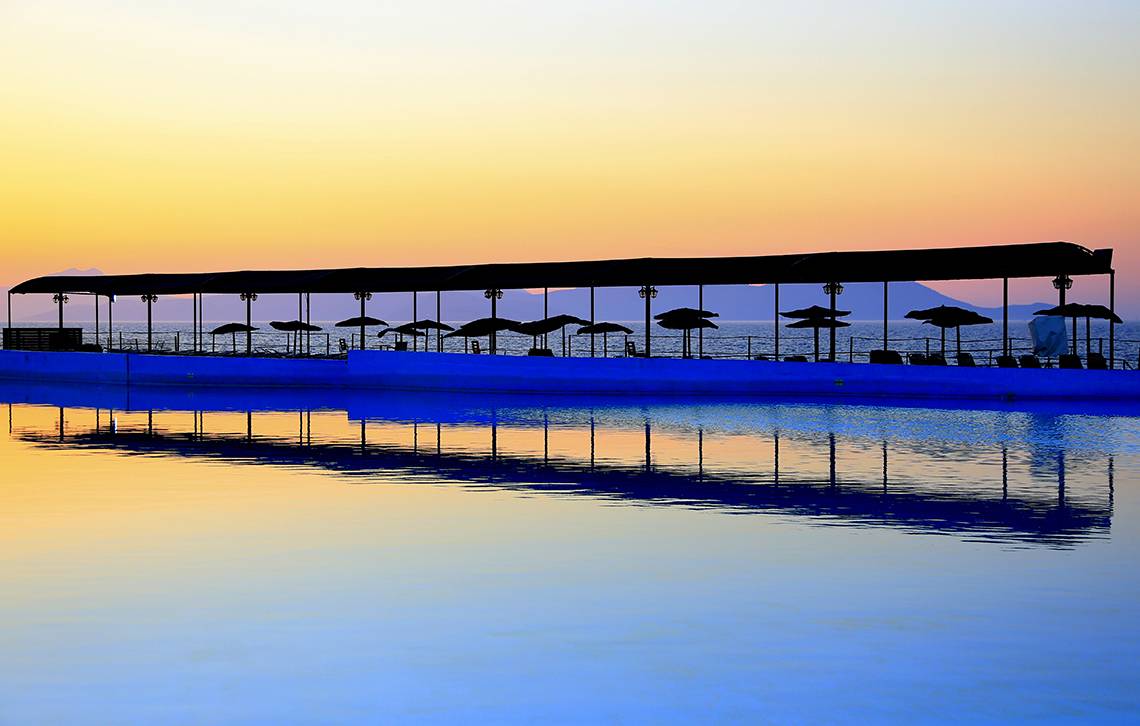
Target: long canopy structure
{"points": [[1042, 259]]}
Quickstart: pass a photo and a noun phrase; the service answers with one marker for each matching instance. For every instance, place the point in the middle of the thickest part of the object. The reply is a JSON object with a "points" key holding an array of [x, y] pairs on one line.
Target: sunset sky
{"points": [[217, 134]]}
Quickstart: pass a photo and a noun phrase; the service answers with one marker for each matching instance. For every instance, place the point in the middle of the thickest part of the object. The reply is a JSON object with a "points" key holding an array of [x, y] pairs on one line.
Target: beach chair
{"points": [[541, 352], [967, 360], [1097, 362], [795, 358], [1029, 361], [886, 356], [1006, 361], [630, 349], [935, 359], [917, 359], [343, 345], [1070, 361], [400, 345], [475, 347]]}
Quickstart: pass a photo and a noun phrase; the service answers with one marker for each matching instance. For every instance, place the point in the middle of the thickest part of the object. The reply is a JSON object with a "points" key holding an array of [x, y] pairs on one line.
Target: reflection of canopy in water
{"points": [[1022, 516]]}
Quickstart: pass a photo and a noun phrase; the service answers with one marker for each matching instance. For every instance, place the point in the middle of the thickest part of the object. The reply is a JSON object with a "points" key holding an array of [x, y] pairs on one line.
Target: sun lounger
{"points": [[1029, 361], [967, 360], [886, 356], [1006, 361], [1097, 362], [1070, 361]]}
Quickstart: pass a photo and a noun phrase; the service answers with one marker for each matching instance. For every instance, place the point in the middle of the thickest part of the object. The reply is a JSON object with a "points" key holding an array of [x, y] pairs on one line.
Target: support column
{"points": [[415, 346], [647, 293], [439, 319], [9, 308], [149, 299], [1111, 323], [545, 314], [1005, 316], [700, 331], [194, 321], [110, 321], [885, 315], [248, 297], [96, 339], [776, 319], [591, 320], [308, 321], [60, 299], [494, 294], [363, 297]]}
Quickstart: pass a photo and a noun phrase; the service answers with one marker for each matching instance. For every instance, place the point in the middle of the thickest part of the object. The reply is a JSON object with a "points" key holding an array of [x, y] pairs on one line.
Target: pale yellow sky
{"points": [[209, 135]]}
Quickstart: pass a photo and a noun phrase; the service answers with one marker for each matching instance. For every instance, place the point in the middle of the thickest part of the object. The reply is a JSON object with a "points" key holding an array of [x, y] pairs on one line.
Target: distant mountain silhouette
{"points": [[733, 302]]}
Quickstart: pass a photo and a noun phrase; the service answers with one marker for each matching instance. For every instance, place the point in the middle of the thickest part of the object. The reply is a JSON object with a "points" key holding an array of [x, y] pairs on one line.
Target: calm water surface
{"points": [[177, 557]]}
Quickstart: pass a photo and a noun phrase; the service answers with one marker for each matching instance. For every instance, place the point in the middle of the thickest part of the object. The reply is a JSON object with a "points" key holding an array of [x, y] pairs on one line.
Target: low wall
{"points": [[513, 374]]}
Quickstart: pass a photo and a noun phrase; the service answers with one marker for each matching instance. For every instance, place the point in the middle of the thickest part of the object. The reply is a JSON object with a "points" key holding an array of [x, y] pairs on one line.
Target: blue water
{"points": [[330, 557]]}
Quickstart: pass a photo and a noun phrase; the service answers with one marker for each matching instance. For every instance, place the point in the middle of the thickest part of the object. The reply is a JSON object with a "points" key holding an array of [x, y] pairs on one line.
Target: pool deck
{"points": [[612, 376]]}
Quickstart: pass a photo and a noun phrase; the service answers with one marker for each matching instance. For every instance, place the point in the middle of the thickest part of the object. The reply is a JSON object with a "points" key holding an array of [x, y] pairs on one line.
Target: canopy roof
{"points": [[1041, 259]]}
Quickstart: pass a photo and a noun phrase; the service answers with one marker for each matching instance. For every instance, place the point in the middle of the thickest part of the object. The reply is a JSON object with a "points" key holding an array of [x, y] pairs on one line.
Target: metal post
{"points": [[149, 299], [647, 293], [591, 321], [9, 308], [494, 314], [60, 298], [308, 321], [194, 321], [414, 319], [885, 338], [1111, 323], [362, 301], [1005, 316], [248, 297], [700, 331], [776, 320], [831, 330], [96, 340], [545, 314]]}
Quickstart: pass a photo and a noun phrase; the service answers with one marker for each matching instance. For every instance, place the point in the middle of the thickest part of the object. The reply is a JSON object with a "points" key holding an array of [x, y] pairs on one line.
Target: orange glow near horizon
{"points": [[226, 136]]}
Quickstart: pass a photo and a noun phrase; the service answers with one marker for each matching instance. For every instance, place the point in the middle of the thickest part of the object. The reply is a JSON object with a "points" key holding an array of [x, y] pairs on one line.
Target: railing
{"points": [[852, 348]]}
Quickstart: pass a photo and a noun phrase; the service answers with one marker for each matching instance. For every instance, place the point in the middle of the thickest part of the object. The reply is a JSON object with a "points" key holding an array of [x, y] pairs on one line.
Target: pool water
{"points": [[169, 557]]}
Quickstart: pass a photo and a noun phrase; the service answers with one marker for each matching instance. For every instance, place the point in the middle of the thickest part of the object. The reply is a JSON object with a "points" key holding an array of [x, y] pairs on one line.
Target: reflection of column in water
{"points": [[775, 456], [438, 439], [300, 428], [700, 454], [591, 440], [1004, 473], [61, 420], [648, 458], [363, 440], [1061, 478], [545, 438], [1111, 485], [884, 466], [415, 430], [150, 422], [249, 426], [309, 427], [831, 443]]}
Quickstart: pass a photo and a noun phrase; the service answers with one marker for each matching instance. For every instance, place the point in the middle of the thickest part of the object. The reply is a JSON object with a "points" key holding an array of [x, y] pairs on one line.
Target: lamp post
{"points": [[248, 298], [149, 299], [647, 293], [363, 297], [832, 289], [1062, 284], [493, 294], [60, 299]]}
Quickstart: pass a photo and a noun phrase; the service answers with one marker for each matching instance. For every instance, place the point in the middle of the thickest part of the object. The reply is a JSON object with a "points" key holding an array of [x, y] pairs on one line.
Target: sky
{"points": [[226, 134]]}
